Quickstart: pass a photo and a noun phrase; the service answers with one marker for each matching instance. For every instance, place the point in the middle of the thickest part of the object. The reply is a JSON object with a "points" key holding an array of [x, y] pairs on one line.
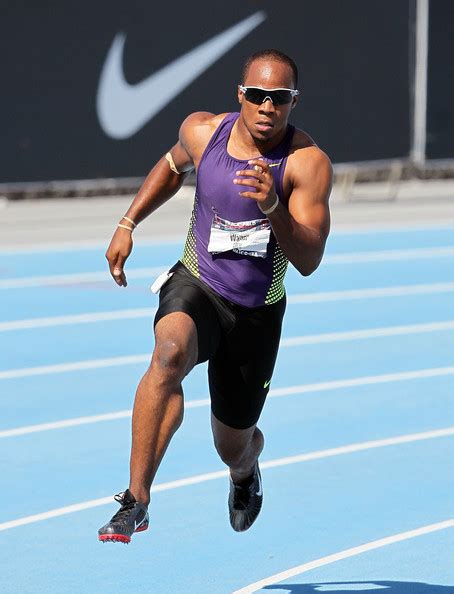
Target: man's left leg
{"points": [[239, 376], [240, 449]]}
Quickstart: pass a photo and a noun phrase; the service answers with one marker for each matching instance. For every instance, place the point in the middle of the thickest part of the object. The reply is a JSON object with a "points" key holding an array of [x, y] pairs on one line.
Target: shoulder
{"points": [[197, 129], [306, 160], [203, 118]]}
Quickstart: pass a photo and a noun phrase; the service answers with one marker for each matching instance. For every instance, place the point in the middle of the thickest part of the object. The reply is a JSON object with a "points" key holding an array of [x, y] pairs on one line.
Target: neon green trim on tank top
{"points": [[280, 265], [190, 258]]}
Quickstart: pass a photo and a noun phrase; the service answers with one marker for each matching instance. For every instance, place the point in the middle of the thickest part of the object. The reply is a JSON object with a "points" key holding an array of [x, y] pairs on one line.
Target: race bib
{"points": [[249, 238]]}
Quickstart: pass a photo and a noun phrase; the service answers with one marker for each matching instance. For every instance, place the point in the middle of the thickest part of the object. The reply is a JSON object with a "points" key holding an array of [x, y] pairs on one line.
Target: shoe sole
{"points": [[120, 537]]}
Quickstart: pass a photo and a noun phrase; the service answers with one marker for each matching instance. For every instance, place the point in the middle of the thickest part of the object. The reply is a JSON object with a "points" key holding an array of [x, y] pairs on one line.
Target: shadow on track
{"points": [[372, 586]]}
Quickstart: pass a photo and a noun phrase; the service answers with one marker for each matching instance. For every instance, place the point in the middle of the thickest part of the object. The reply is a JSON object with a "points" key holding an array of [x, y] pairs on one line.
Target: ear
{"points": [[240, 95], [295, 101]]}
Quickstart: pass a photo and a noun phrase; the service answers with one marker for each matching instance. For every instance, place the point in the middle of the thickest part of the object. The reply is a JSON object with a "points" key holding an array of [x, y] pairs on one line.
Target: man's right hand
{"points": [[117, 253]]}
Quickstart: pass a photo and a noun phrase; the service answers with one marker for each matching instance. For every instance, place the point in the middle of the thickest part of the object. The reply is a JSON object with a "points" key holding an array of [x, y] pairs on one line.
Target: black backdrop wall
{"points": [[440, 88], [355, 62]]}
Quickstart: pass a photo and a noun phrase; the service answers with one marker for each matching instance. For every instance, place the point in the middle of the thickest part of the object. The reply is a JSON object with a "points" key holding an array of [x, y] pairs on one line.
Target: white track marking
{"points": [[201, 478], [87, 420], [101, 244], [389, 227], [330, 259], [76, 279], [374, 293], [55, 246], [295, 299], [367, 333], [273, 393], [346, 554], [389, 255], [85, 318], [75, 366], [328, 337], [385, 378], [359, 447]]}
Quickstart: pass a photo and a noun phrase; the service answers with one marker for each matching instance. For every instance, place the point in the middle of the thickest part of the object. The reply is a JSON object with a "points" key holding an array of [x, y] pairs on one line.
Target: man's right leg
{"points": [[157, 414], [158, 406]]}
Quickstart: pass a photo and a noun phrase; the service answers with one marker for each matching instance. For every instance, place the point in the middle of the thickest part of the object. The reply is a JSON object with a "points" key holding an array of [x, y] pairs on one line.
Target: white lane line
{"points": [[286, 343], [85, 318], [389, 255], [295, 299], [400, 376], [78, 278], [367, 333], [374, 293], [329, 259], [346, 554], [273, 393], [201, 478], [294, 341], [74, 366], [87, 420], [101, 244]]}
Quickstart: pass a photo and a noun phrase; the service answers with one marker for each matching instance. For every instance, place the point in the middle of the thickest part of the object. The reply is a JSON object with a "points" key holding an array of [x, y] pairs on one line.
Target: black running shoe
{"points": [[131, 517], [245, 501]]}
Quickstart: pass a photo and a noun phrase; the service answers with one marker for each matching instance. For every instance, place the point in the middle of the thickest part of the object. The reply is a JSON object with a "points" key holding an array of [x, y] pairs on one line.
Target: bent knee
{"points": [[172, 359]]}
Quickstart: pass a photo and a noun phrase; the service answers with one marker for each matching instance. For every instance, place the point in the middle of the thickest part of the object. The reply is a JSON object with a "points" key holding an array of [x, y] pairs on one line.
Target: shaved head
{"points": [[271, 55]]}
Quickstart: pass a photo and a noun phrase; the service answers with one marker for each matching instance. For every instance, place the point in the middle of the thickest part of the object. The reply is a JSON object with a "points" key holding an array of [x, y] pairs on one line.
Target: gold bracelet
{"points": [[125, 227], [130, 221]]}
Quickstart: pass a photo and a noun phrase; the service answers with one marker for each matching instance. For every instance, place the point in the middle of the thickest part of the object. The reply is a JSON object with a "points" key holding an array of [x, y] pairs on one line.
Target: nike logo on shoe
{"points": [[260, 491], [123, 109]]}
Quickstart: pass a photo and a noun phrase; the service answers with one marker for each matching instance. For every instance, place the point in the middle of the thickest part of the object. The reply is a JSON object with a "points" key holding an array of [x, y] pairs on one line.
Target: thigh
{"points": [[240, 372], [182, 294]]}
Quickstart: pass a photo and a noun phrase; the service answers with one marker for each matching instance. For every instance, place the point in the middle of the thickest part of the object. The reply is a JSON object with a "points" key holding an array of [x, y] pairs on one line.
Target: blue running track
{"points": [[358, 467]]}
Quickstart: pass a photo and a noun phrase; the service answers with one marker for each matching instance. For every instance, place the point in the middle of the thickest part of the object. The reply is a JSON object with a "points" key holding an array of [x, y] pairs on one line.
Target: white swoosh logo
{"points": [[259, 492], [138, 524], [123, 108]]}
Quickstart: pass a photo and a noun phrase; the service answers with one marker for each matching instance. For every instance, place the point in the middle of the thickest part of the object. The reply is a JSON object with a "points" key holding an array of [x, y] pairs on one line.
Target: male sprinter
{"points": [[261, 200]]}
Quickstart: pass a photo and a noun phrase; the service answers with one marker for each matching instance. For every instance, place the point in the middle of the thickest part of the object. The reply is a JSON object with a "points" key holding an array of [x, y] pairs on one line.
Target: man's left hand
{"points": [[260, 178]]}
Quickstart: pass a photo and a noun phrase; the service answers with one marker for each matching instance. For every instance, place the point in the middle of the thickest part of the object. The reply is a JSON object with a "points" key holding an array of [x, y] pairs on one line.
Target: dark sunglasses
{"points": [[257, 95]]}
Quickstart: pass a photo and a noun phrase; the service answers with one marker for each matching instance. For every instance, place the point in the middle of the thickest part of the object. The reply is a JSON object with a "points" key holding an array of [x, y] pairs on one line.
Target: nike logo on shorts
{"points": [[266, 384], [123, 109]]}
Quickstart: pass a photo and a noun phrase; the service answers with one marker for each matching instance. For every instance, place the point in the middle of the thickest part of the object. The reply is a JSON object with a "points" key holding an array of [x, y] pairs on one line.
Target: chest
{"points": [[217, 192]]}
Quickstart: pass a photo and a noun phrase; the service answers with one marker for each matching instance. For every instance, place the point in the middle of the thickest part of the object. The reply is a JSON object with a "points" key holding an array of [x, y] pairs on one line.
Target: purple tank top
{"points": [[244, 279]]}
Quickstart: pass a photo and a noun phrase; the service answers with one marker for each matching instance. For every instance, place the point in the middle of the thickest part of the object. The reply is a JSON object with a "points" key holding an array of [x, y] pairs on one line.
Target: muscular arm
{"points": [[303, 229], [160, 185]]}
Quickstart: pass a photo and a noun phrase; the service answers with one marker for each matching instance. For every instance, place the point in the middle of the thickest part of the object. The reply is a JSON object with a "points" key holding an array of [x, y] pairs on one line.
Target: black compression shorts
{"points": [[239, 343]]}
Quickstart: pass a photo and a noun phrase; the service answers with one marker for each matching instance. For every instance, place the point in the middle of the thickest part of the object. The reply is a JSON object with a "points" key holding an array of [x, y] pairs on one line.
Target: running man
{"points": [[261, 201]]}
